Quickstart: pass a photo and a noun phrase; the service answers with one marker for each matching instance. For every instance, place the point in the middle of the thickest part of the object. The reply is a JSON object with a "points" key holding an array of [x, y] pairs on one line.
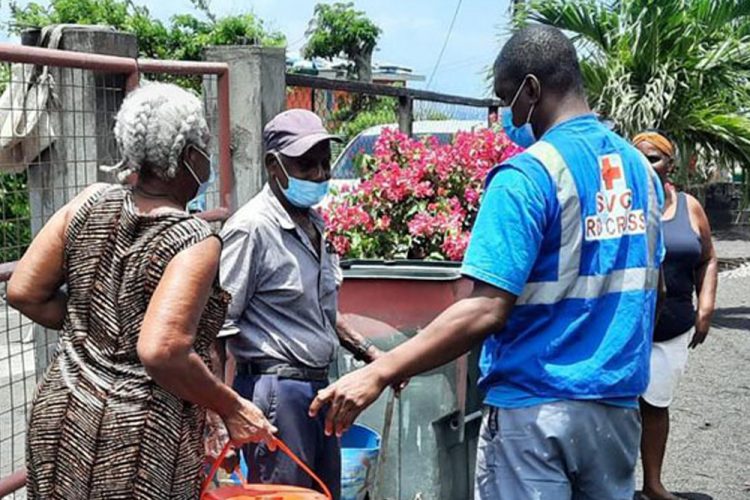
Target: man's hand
{"points": [[702, 325], [348, 397]]}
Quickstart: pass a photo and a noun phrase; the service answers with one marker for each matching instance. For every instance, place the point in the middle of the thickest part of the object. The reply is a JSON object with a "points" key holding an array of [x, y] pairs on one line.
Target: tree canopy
{"points": [[184, 37], [678, 65], [338, 30]]}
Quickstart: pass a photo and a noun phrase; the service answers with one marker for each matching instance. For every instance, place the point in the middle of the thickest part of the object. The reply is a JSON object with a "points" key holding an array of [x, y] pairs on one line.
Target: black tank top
{"points": [[684, 250]]}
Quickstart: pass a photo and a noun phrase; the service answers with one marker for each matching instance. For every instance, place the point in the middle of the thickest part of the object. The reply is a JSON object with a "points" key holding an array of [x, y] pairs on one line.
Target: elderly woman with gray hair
{"points": [[130, 279]]}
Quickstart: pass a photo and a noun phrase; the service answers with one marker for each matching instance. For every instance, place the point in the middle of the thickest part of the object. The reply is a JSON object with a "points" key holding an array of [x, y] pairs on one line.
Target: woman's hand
{"points": [[216, 438], [702, 325], [247, 424]]}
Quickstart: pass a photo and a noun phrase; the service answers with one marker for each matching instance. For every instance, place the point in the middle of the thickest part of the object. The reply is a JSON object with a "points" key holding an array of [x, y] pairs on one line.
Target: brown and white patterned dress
{"points": [[100, 427]]}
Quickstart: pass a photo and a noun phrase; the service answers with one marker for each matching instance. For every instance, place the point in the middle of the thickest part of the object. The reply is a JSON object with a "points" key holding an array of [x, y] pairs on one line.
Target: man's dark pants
{"points": [[285, 403]]}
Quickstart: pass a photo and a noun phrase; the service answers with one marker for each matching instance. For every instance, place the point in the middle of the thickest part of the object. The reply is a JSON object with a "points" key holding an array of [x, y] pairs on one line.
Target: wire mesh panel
{"points": [[438, 111], [344, 113], [17, 363], [17, 384], [55, 131]]}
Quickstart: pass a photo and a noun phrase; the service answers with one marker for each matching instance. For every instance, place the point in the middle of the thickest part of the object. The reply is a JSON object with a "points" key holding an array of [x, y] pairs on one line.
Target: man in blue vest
{"points": [[565, 258]]}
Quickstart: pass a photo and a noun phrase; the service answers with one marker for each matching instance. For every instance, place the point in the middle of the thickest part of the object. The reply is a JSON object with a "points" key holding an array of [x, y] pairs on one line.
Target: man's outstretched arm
{"points": [[459, 328]]}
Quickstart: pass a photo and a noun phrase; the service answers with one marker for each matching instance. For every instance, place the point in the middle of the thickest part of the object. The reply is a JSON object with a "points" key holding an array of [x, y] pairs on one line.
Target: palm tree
{"points": [[682, 66]]}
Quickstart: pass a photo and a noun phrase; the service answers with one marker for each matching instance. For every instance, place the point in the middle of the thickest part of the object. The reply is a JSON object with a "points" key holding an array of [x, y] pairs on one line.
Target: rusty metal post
{"points": [[405, 114], [226, 175], [492, 115], [133, 80]]}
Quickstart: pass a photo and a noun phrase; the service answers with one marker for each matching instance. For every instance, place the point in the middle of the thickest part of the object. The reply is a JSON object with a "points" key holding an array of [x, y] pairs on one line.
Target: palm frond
{"points": [[720, 14], [587, 21], [728, 133], [681, 65]]}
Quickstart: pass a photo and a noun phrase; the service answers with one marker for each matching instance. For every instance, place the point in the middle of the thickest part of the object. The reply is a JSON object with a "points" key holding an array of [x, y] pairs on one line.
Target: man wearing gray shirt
{"points": [[282, 326]]}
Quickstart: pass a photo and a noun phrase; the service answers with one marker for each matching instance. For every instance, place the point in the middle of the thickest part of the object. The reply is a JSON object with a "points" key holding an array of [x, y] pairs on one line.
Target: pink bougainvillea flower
{"points": [[471, 195], [416, 197], [455, 245]]}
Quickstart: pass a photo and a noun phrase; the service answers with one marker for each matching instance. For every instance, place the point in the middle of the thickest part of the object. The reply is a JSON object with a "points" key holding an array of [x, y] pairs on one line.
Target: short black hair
{"points": [[545, 52]]}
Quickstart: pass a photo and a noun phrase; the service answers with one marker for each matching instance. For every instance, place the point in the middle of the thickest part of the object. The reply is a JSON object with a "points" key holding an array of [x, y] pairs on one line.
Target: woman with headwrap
{"points": [[690, 267]]}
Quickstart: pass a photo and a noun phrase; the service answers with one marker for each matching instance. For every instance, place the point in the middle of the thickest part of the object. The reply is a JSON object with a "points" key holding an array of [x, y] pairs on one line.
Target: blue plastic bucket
{"points": [[360, 447], [243, 467]]}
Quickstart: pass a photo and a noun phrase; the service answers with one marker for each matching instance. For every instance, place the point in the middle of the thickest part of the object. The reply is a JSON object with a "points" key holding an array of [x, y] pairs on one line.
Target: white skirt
{"points": [[668, 361]]}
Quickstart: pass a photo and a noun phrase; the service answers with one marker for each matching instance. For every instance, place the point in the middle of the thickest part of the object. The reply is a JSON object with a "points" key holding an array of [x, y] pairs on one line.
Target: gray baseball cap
{"points": [[294, 132]]}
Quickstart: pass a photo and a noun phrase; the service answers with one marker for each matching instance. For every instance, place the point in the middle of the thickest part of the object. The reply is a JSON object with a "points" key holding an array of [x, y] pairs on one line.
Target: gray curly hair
{"points": [[154, 125]]}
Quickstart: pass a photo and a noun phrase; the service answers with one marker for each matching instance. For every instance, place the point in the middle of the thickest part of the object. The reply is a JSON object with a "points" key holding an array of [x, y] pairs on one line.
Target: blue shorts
{"points": [[558, 451]]}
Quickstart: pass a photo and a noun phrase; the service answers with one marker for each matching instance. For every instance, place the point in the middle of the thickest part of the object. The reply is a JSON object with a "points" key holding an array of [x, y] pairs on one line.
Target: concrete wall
{"points": [[257, 80], [83, 123]]}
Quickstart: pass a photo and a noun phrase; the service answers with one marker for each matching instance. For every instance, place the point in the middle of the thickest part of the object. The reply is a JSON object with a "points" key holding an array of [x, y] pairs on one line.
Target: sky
{"points": [[413, 32]]}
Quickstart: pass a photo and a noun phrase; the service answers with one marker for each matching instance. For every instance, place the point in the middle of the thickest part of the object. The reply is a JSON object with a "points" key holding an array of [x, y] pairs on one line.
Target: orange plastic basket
{"points": [[247, 491]]}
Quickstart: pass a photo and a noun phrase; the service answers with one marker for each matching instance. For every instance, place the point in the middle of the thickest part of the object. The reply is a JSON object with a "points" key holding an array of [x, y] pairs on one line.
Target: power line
{"points": [[445, 43], [301, 39], [471, 61]]}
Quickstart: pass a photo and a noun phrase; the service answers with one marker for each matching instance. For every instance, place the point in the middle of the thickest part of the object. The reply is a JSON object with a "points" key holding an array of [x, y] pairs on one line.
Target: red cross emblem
{"points": [[610, 173]]}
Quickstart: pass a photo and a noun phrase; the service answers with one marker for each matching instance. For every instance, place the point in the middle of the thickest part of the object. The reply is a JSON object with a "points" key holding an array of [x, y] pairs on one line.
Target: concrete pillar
{"points": [[257, 81], [82, 118]]}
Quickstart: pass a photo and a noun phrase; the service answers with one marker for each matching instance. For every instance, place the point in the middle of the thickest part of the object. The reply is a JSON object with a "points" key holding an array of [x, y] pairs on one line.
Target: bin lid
{"points": [[422, 270]]}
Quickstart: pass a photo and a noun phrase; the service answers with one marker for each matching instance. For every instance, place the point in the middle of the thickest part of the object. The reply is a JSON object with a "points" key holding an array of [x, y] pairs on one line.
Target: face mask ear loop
{"points": [[518, 93], [533, 106], [189, 169], [531, 112], [283, 169]]}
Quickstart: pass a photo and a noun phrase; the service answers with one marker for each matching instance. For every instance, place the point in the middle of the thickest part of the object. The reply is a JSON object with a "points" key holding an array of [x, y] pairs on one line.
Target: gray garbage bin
{"points": [[432, 446]]}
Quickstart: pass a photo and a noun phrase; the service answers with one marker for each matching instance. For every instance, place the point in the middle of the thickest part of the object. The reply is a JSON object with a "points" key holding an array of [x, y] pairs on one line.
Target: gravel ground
{"points": [[709, 444], [733, 244]]}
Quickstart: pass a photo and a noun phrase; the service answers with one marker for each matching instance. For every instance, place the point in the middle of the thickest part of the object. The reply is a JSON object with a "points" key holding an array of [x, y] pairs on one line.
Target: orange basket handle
{"points": [[281, 446]]}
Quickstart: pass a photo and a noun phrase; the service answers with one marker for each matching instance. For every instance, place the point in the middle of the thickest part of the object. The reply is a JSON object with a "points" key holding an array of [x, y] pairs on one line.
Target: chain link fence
{"points": [[55, 133]]}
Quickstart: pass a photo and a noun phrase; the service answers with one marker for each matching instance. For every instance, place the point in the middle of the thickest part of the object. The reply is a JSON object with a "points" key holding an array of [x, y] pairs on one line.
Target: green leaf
{"points": [[338, 30], [679, 65]]}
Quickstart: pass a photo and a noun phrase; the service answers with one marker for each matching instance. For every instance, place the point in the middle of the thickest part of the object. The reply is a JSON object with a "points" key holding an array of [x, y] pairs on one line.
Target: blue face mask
{"points": [[302, 193], [523, 135], [198, 203]]}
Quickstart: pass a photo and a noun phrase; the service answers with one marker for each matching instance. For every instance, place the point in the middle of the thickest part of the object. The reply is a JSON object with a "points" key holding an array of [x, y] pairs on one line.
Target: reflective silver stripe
{"points": [[571, 231], [569, 283], [591, 287]]}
